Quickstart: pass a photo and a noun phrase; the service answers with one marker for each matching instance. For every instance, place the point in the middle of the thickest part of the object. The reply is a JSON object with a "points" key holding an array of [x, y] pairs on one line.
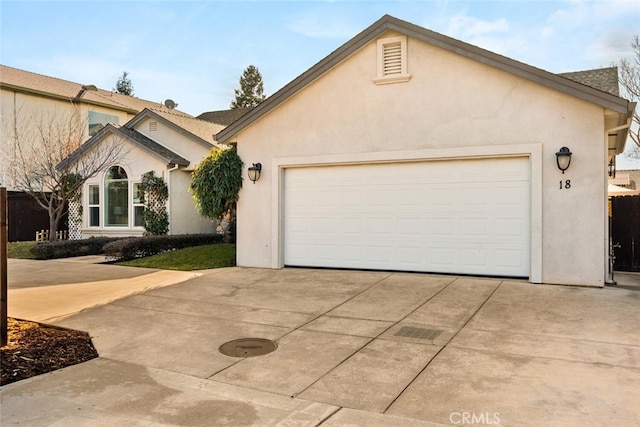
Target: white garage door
{"points": [[462, 216]]}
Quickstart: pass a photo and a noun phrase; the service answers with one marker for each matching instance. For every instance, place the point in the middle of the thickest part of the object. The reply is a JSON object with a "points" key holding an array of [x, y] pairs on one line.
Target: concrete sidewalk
{"points": [[354, 348], [47, 291]]}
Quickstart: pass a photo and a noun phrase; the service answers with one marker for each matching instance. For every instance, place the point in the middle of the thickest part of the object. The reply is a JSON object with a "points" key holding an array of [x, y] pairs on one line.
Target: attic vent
{"points": [[392, 60], [153, 126]]}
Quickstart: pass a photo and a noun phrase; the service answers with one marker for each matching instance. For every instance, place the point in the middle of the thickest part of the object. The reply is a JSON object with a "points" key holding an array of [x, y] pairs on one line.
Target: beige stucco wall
{"points": [[452, 107], [174, 141], [21, 113], [135, 163], [183, 216]]}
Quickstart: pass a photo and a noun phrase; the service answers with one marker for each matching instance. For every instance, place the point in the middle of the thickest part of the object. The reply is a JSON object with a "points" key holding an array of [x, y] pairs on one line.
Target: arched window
{"points": [[116, 184]]}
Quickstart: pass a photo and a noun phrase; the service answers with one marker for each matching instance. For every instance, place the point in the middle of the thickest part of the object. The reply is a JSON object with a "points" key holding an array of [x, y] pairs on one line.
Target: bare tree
{"points": [[41, 144], [630, 83]]}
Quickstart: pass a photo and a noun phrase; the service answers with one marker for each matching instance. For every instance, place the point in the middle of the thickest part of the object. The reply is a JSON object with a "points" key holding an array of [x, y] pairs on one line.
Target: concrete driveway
{"points": [[354, 348]]}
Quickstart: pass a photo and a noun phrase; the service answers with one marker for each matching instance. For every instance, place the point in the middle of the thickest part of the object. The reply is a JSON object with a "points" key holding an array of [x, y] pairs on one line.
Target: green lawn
{"points": [[194, 258], [20, 250]]}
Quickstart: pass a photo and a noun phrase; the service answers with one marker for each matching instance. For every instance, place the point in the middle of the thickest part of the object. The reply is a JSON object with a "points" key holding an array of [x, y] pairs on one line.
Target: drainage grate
{"points": [[419, 333], [248, 347]]}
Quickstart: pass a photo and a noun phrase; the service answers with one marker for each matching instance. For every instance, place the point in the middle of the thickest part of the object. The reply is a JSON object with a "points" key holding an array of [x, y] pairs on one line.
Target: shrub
{"points": [[70, 248], [136, 247], [156, 193]]}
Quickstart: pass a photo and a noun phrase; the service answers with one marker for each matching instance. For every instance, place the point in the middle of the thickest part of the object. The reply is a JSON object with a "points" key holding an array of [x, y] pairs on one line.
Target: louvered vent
{"points": [[153, 126], [392, 59]]}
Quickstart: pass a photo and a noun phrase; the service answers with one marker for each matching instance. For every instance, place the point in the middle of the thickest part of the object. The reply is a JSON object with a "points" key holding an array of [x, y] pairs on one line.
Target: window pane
{"points": [[138, 216], [94, 216], [138, 194], [116, 197], [116, 172], [94, 195], [99, 120]]}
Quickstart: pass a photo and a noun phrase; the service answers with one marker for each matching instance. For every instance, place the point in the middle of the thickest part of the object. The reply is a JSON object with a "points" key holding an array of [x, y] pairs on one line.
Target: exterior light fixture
{"points": [[612, 167], [563, 158], [254, 172]]}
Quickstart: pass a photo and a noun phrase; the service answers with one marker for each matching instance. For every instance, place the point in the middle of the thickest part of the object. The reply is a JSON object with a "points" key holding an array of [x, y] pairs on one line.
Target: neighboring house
{"points": [[408, 150], [629, 179], [169, 143], [27, 99], [625, 218], [224, 117]]}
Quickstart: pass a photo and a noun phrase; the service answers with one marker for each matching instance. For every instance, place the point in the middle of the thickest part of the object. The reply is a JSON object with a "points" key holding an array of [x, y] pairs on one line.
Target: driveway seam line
{"points": [[443, 347], [371, 338], [306, 323]]}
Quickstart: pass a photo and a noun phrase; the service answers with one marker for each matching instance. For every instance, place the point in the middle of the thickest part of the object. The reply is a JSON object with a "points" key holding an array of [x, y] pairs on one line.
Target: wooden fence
{"points": [[43, 235], [26, 217], [625, 231]]}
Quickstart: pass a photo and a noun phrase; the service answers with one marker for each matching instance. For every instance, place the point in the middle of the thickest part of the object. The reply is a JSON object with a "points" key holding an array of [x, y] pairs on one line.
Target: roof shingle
{"points": [[26, 81], [223, 117], [604, 79]]}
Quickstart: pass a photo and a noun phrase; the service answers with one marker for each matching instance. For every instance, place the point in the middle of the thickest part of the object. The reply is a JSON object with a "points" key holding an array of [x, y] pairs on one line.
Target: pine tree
{"points": [[124, 85], [251, 89]]}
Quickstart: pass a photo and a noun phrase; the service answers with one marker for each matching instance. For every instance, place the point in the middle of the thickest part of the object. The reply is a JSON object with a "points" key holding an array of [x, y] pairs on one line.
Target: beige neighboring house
{"points": [[408, 150], [27, 99], [629, 179], [168, 142]]}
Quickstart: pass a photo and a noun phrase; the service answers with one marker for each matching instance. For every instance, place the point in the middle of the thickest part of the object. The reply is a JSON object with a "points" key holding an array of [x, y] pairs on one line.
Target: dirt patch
{"points": [[33, 349]]}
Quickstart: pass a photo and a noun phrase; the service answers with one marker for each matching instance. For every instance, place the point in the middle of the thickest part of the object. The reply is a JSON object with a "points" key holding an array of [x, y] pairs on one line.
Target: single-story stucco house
{"points": [[168, 142], [408, 150]]}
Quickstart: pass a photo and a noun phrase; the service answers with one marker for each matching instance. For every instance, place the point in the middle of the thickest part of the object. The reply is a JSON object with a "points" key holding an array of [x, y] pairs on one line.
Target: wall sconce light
{"points": [[254, 172], [612, 167], [563, 158]]}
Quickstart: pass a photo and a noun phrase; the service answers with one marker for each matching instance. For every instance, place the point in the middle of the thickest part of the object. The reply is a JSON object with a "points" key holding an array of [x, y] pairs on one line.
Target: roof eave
{"points": [[71, 99], [77, 153], [304, 79], [145, 113], [622, 134], [387, 22]]}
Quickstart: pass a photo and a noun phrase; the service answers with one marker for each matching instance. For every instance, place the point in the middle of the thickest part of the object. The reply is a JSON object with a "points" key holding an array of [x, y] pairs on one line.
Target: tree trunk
{"points": [[53, 225], [56, 211]]}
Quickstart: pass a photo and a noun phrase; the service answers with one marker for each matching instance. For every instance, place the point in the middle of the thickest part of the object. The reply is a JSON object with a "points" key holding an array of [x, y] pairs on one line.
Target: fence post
{"points": [[4, 231]]}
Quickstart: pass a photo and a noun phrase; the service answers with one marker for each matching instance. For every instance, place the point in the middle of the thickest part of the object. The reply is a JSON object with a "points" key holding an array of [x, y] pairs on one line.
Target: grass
{"points": [[195, 258], [20, 250]]}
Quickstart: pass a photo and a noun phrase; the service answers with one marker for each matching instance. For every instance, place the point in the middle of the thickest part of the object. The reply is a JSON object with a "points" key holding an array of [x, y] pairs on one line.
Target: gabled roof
{"points": [[605, 79], [133, 137], [198, 130], [50, 87], [223, 117], [389, 23]]}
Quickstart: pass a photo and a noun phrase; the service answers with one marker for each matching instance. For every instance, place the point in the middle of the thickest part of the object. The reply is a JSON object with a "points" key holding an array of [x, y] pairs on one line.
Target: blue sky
{"points": [[195, 51]]}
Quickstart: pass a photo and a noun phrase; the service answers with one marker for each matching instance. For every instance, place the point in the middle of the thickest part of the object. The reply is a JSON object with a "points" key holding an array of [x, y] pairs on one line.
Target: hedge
{"points": [[71, 248], [136, 247]]}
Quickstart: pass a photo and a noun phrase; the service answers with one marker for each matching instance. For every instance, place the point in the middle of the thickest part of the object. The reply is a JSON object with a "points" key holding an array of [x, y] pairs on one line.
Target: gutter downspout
{"points": [[621, 140]]}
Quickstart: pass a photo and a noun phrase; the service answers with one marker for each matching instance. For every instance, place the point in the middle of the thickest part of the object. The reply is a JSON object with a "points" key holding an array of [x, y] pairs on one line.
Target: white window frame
{"points": [[93, 205], [107, 201], [134, 205], [383, 76]]}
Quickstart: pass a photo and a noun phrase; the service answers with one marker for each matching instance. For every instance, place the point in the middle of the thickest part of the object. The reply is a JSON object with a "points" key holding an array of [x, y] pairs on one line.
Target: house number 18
{"points": [[565, 184]]}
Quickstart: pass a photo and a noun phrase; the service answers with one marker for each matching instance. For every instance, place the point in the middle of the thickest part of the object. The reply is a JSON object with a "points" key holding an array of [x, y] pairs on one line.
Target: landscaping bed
{"points": [[35, 349]]}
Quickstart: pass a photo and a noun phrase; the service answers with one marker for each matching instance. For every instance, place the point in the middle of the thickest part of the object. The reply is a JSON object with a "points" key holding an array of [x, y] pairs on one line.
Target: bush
{"points": [[70, 248], [136, 247]]}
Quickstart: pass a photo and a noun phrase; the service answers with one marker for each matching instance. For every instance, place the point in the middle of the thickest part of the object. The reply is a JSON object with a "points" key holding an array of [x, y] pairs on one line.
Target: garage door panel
{"points": [[468, 217]]}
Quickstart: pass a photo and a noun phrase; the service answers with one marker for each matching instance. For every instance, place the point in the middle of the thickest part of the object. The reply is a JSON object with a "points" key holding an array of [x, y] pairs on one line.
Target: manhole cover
{"points": [[248, 347]]}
